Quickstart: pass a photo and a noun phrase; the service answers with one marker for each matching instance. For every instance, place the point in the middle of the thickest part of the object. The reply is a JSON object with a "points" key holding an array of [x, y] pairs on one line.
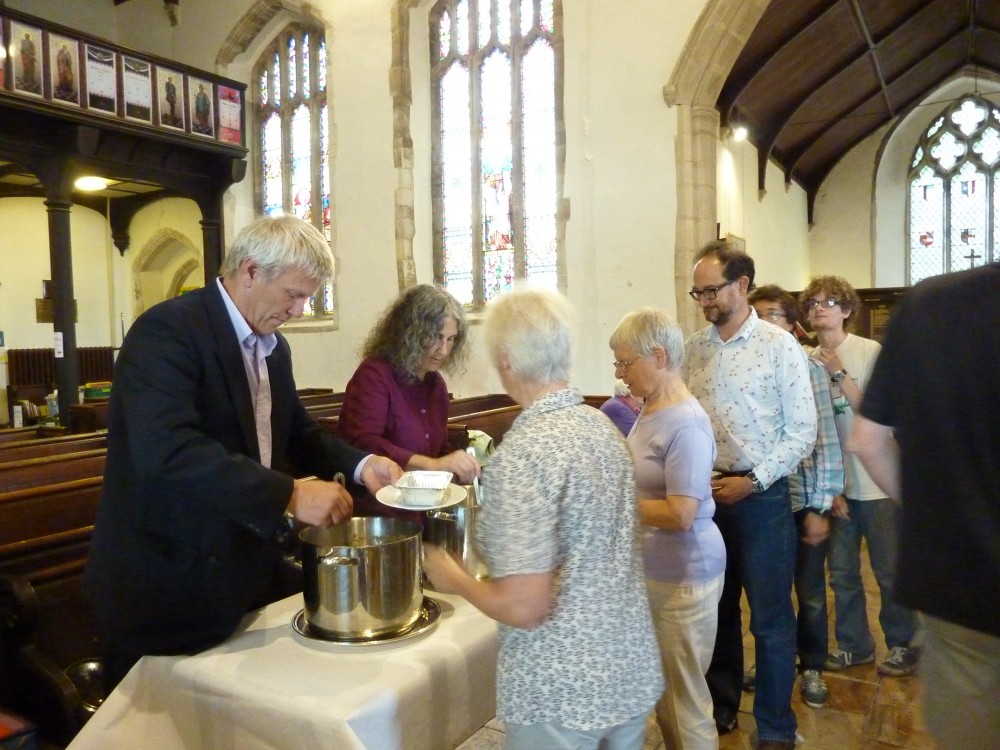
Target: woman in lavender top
{"points": [[396, 403], [622, 408], [685, 558]]}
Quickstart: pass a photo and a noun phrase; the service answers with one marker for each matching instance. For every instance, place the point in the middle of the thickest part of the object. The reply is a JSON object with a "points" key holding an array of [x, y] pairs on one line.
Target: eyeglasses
{"points": [[709, 292], [812, 304], [774, 315], [624, 365]]}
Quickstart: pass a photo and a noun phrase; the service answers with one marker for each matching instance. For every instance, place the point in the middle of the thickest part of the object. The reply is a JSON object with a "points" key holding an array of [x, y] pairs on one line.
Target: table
{"points": [[269, 687]]}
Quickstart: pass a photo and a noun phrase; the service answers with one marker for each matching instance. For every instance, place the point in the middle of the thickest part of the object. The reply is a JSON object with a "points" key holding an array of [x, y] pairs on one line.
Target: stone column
{"points": [[697, 144]]}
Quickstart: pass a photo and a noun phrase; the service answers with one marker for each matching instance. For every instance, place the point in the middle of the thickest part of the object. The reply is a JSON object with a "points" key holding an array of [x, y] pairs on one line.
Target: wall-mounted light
{"points": [[740, 133], [91, 183]]}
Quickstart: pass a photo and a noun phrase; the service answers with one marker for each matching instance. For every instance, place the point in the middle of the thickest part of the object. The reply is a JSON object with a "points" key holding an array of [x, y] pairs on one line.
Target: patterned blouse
{"points": [[756, 389], [560, 496]]}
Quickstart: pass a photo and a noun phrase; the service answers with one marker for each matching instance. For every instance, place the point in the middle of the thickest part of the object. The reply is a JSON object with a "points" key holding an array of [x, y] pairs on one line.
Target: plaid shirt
{"points": [[820, 476]]}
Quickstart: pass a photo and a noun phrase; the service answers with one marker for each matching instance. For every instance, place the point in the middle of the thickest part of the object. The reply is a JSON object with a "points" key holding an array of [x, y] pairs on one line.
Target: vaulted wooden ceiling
{"points": [[817, 77]]}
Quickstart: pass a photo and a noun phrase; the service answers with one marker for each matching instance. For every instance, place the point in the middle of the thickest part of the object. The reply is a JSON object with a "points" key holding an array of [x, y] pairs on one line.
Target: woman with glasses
{"points": [[684, 555]]}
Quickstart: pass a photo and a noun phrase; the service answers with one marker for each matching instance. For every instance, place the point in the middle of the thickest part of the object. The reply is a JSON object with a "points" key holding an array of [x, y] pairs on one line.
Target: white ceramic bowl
{"points": [[423, 488]]}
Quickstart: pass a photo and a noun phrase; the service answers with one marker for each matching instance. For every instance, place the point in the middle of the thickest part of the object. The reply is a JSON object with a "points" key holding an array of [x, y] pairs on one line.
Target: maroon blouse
{"points": [[387, 413]]}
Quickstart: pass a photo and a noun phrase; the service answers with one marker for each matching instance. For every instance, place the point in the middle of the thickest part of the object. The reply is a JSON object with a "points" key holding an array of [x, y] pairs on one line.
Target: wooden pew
{"points": [[38, 447], [15, 434], [35, 472], [474, 404], [45, 620]]}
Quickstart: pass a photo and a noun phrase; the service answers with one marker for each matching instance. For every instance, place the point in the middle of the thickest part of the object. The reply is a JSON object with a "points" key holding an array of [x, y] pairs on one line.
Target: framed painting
{"points": [[101, 81], [170, 97], [64, 69], [27, 60], [201, 98], [137, 85], [230, 115]]}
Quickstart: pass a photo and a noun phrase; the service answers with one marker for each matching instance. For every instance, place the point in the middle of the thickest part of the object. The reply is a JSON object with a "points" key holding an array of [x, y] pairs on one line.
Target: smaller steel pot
{"points": [[454, 529]]}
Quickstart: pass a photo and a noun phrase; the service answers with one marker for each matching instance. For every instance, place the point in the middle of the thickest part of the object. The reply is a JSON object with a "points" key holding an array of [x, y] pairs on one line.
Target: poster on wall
{"points": [[64, 69], [201, 96], [28, 62], [102, 91], [137, 77], [170, 95], [230, 116]]}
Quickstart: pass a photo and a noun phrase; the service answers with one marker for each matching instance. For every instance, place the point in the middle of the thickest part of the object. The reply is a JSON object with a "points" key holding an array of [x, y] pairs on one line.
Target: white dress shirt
{"points": [[755, 388]]}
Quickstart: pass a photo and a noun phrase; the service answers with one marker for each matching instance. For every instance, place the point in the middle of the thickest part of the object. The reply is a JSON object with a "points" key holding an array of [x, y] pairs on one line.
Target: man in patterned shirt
{"points": [[753, 380]]}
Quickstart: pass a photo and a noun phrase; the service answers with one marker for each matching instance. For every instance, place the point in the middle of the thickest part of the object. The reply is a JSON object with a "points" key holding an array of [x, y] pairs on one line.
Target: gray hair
{"points": [[278, 244], [647, 328], [532, 327], [410, 325], [621, 389]]}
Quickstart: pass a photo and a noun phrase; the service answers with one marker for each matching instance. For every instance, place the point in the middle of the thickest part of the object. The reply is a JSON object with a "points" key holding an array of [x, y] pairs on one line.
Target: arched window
{"points": [[290, 127], [496, 78], [954, 207]]}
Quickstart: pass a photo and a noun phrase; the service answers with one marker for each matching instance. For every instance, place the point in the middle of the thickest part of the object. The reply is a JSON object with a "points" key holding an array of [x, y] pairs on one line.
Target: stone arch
{"points": [[253, 22], [161, 266], [716, 41]]}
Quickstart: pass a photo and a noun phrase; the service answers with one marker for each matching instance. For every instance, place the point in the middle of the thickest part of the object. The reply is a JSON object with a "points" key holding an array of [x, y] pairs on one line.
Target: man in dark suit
{"points": [[203, 404]]}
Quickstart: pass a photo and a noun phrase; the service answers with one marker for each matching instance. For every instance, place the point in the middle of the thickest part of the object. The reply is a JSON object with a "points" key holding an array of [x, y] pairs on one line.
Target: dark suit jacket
{"points": [[184, 542]]}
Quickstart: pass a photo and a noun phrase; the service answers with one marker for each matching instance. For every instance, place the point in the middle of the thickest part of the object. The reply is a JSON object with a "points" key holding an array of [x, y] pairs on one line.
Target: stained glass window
{"points": [[290, 119], [496, 77], [953, 203]]}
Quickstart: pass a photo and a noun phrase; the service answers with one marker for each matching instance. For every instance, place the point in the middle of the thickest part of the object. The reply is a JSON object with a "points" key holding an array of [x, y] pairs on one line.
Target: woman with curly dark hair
{"points": [[396, 403]]}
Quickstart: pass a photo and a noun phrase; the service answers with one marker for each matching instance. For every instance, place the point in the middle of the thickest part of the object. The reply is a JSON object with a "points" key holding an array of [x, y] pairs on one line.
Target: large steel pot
{"points": [[454, 529], [361, 577]]}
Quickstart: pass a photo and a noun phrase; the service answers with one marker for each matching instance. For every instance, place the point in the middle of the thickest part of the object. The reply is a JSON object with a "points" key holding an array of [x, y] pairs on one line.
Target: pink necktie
{"points": [[261, 391]]}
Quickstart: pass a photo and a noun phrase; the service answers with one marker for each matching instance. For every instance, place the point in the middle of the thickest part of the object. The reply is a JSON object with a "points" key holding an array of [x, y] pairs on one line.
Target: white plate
{"points": [[389, 495]]}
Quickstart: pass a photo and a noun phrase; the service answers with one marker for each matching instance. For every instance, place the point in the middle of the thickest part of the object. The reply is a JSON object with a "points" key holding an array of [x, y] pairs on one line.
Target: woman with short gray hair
{"points": [[578, 664], [673, 449]]}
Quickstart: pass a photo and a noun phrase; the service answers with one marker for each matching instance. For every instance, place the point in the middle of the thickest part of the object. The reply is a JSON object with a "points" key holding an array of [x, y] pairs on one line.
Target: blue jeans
{"points": [[876, 521], [760, 536], [810, 591]]}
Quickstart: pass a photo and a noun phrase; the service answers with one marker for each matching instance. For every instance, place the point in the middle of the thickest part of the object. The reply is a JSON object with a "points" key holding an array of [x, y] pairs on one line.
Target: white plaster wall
{"points": [[774, 226], [842, 236], [24, 264]]}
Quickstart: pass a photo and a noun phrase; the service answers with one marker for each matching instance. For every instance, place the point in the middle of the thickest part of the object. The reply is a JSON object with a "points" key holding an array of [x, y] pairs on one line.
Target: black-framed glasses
{"points": [[709, 292], [625, 364], [812, 304]]}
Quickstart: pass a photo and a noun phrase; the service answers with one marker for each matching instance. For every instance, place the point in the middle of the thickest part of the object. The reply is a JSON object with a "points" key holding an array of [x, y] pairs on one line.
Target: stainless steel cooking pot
{"points": [[454, 529], [361, 577]]}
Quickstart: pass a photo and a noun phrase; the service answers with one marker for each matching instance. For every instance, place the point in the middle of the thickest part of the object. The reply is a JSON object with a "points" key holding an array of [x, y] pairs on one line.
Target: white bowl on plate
{"points": [[423, 489]]}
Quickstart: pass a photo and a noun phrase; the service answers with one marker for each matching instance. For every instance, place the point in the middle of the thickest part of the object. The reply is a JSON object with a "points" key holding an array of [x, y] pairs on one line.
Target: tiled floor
{"points": [[865, 712]]}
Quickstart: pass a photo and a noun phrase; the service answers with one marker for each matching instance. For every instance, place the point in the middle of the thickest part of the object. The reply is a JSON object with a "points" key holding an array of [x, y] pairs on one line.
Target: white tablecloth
{"points": [[268, 687]]}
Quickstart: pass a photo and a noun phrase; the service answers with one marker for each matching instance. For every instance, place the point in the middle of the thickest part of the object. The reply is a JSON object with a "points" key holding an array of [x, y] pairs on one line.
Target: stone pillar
{"points": [[697, 144]]}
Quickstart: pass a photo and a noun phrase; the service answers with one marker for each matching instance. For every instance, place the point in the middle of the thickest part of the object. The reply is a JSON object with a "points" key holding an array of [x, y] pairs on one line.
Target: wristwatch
{"points": [[755, 486], [838, 376]]}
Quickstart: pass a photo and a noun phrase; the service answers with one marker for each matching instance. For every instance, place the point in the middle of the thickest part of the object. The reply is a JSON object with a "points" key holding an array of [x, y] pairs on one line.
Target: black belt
{"points": [[735, 473]]}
